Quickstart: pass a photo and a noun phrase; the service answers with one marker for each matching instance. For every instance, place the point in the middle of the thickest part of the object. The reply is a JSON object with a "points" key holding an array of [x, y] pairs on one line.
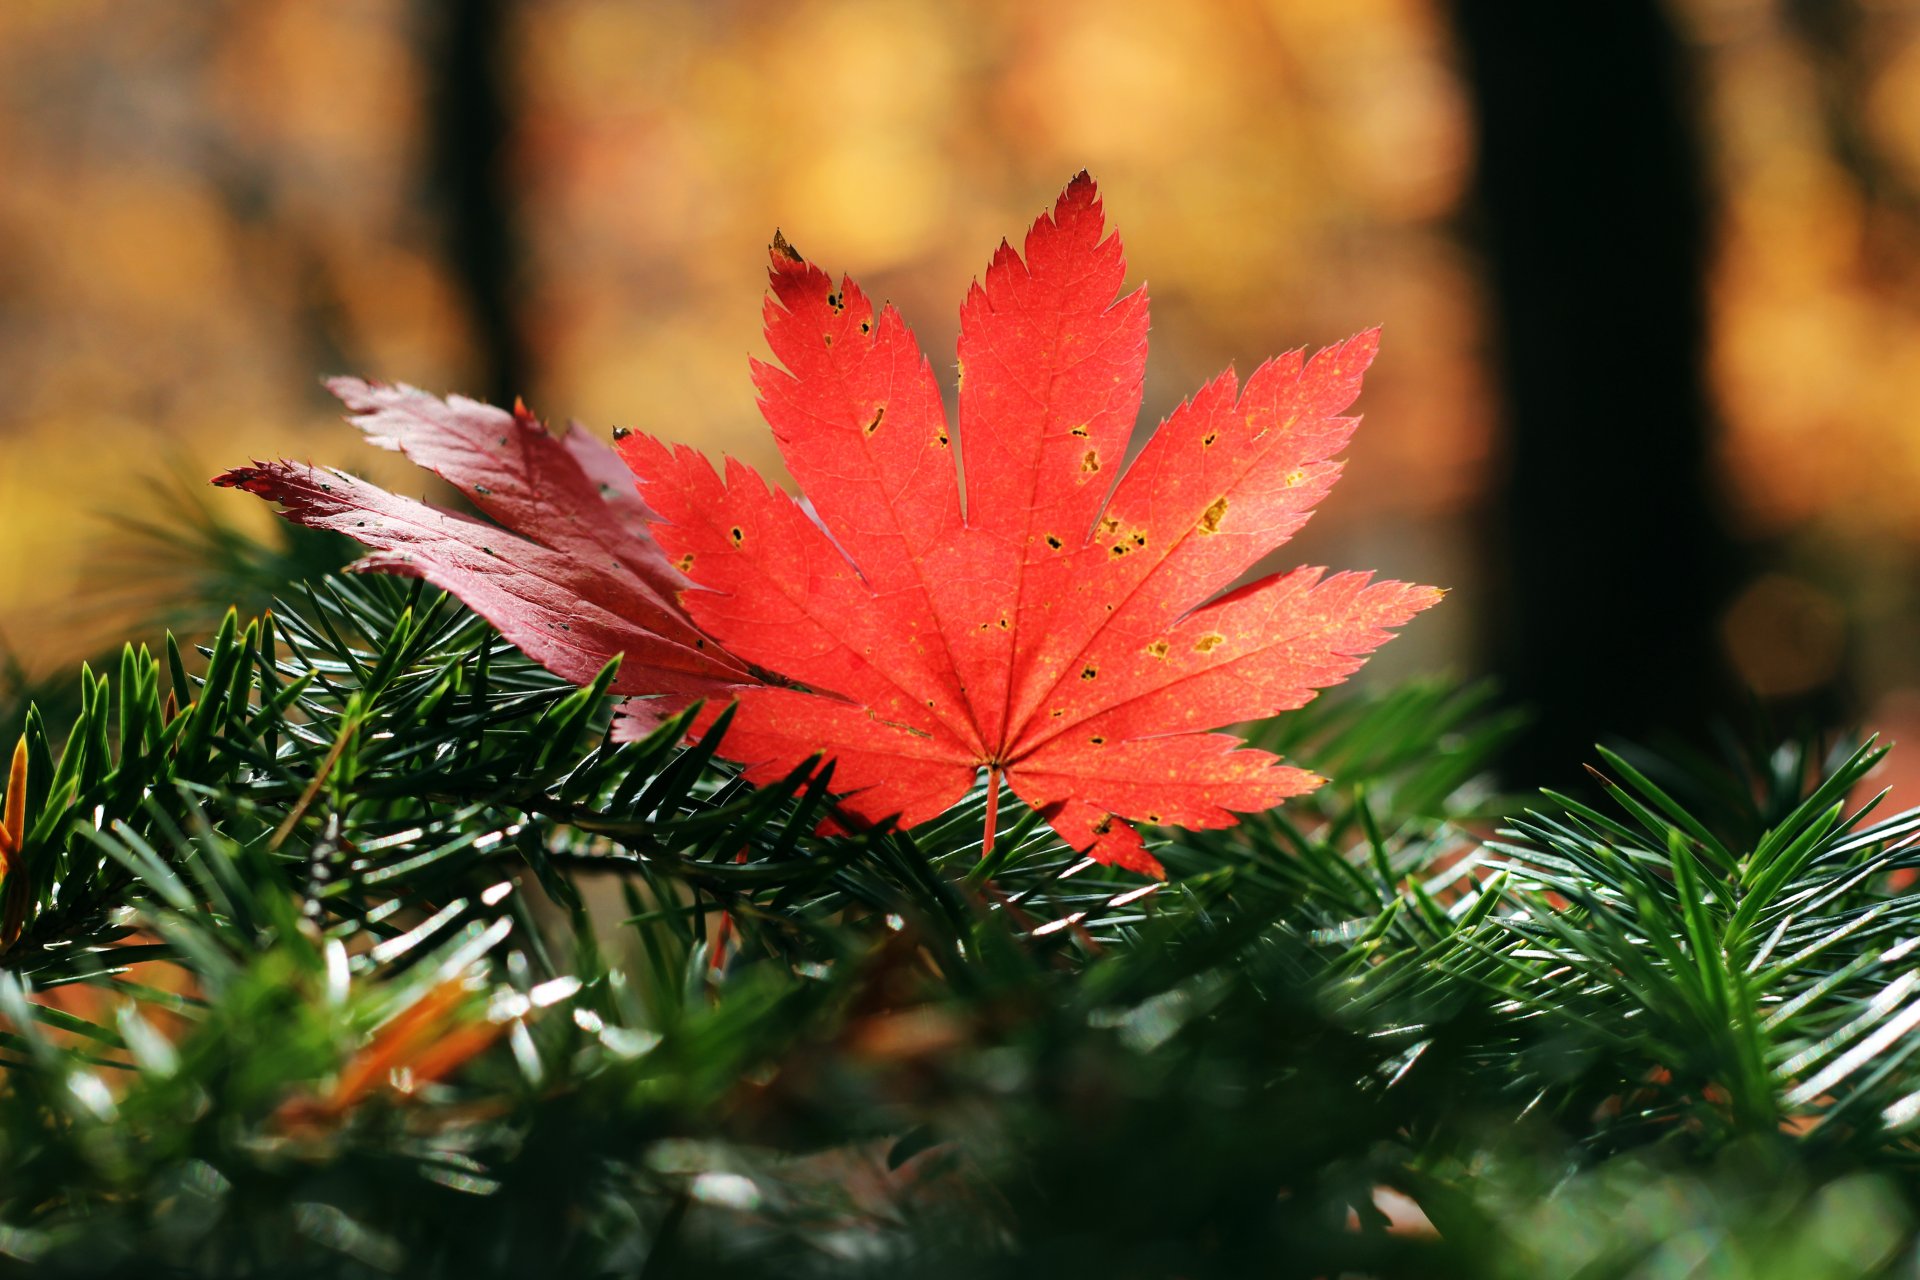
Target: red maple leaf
{"points": [[1044, 623], [1041, 622]]}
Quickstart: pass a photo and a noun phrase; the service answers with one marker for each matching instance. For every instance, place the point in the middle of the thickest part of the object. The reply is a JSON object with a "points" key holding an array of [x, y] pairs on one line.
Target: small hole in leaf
{"points": [[1103, 826], [878, 414], [737, 534], [1089, 671], [1054, 542], [686, 562], [1097, 740], [1210, 518], [1004, 624], [1209, 438], [941, 439], [1081, 431], [866, 327]]}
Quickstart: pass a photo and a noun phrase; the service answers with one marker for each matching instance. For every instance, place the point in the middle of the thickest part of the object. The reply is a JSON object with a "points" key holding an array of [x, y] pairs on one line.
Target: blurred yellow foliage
{"points": [[209, 206]]}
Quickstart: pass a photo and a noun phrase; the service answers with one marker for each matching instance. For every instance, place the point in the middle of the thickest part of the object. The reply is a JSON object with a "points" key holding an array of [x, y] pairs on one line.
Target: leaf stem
{"points": [[993, 808]]}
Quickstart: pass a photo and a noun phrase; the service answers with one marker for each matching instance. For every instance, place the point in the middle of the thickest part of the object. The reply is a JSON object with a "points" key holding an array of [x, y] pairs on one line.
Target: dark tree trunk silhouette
{"points": [[469, 124], [1612, 556]]}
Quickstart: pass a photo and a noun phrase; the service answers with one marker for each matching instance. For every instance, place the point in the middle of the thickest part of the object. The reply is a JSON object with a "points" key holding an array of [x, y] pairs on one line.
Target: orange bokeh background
{"points": [[208, 206]]}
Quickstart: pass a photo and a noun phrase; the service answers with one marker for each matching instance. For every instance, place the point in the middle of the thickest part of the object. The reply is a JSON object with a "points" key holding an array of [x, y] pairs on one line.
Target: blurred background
{"points": [[1649, 397]]}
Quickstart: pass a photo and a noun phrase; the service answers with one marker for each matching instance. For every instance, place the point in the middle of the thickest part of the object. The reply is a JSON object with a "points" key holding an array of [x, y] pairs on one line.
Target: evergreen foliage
{"points": [[350, 945]]}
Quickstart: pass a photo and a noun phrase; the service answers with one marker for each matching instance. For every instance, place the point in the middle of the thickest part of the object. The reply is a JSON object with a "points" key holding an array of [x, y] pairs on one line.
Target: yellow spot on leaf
{"points": [[1210, 518], [1209, 642]]}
